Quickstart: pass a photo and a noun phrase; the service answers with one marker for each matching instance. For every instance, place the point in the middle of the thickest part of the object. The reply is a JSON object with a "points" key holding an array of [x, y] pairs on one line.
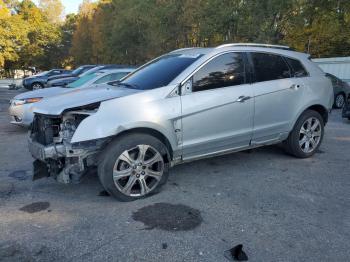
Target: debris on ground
{"points": [[236, 254], [103, 193]]}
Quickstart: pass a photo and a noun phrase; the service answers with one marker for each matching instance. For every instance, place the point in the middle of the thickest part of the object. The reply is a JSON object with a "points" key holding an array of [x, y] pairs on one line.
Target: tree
{"points": [[53, 10]]}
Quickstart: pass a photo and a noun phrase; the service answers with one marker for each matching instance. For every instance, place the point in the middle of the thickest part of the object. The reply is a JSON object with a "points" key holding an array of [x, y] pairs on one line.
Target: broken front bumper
{"points": [[41, 152], [65, 163]]}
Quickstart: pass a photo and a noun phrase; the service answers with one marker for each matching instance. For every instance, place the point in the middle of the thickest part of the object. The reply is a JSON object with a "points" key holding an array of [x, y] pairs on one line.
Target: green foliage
{"points": [[29, 38], [134, 31]]}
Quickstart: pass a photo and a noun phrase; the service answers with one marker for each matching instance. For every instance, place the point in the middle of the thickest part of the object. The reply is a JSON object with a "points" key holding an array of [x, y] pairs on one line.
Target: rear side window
{"points": [[298, 69], [224, 70], [269, 67]]}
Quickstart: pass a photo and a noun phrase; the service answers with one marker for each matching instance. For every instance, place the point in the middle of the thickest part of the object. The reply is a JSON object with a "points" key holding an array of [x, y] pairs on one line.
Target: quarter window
{"points": [[269, 67], [298, 69], [225, 70]]}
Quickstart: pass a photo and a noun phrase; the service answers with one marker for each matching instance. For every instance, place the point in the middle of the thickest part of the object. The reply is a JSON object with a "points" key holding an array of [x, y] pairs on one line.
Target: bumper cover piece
{"points": [[40, 170]]}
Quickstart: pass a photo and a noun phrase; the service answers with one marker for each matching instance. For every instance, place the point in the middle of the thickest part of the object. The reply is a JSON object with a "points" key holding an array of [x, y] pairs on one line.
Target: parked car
{"points": [[75, 73], [346, 108], [21, 107], [67, 80], [341, 90], [185, 105], [61, 81], [37, 81]]}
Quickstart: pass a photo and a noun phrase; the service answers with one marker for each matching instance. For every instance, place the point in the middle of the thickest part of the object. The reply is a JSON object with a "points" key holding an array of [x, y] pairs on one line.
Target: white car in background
{"points": [[21, 106]]}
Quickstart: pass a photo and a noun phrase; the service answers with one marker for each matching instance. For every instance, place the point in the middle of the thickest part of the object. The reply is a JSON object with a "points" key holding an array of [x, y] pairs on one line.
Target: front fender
{"points": [[151, 109]]}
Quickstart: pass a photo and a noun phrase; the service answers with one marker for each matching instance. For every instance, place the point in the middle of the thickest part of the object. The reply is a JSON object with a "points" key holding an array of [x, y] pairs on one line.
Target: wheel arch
{"points": [[322, 110], [150, 131]]}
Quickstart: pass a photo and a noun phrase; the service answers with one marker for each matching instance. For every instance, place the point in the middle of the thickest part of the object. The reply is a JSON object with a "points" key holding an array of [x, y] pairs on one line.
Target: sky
{"points": [[70, 6]]}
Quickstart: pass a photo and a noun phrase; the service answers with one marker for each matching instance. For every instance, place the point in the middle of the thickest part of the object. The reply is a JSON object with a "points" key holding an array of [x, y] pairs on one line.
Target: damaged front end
{"points": [[50, 144]]}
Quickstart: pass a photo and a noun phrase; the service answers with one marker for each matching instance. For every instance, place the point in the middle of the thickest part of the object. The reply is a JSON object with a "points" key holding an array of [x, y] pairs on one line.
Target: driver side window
{"points": [[223, 71]]}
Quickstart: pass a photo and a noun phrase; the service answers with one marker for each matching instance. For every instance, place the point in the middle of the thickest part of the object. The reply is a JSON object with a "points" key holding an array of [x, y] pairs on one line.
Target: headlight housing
{"points": [[18, 102]]}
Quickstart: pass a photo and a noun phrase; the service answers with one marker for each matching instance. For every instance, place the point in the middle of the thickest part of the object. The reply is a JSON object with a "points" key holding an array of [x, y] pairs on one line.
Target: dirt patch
{"points": [[35, 207], [168, 217], [13, 252], [6, 189]]}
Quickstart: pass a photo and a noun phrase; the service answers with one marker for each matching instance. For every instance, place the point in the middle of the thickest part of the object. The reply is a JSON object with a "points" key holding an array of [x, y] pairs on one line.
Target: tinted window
{"points": [[269, 67], [298, 69], [222, 71], [160, 72]]}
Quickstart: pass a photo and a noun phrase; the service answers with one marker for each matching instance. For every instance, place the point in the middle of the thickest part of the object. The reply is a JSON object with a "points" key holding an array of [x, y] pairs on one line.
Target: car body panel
{"points": [[149, 109]]}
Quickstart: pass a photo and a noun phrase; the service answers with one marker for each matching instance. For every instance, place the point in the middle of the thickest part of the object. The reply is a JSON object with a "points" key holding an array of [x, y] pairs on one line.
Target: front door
{"points": [[217, 107]]}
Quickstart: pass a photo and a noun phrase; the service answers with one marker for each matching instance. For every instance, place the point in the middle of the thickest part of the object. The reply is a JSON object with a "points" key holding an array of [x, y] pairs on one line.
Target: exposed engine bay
{"points": [[50, 143]]}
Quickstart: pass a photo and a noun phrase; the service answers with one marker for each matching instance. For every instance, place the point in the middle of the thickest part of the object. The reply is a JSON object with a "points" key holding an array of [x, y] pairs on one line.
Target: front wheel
{"points": [[306, 135], [133, 166]]}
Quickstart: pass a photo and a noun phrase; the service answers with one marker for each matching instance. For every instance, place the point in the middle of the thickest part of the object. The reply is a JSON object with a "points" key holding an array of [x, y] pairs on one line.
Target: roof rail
{"points": [[256, 45]]}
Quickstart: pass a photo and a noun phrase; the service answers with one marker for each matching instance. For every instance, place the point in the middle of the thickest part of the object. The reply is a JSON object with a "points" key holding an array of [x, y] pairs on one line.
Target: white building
{"points": [[338, 66]]}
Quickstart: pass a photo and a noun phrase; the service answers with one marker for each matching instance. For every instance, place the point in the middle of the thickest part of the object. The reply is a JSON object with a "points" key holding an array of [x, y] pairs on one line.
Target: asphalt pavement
{"points": [[278, 207]]}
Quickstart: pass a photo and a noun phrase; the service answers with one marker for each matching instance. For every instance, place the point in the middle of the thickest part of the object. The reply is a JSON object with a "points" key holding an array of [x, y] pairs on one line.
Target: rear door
{"points": [[278, 91], [217, 107]]}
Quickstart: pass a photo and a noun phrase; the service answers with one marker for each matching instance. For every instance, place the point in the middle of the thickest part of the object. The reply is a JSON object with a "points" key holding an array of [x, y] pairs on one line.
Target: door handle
{"points": [[295, 86], [241, 99]]}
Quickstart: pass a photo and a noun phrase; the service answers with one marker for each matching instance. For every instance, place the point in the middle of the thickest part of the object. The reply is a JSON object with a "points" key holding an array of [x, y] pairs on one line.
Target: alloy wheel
{"points": [[138, 171], [339, 101], [37, 86], [310, 135]]}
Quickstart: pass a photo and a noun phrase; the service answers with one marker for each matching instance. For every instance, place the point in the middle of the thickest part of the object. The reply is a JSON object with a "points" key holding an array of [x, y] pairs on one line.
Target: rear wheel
{"points": [[306, 136], [133, 167], [339, 101]]}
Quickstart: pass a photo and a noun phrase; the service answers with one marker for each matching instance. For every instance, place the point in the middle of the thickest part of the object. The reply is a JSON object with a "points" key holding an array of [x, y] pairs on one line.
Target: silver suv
{"points": [[185, 105]]}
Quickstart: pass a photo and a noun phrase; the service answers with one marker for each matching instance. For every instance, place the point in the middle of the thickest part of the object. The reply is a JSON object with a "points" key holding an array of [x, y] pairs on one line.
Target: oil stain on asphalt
{"points": [[168, 217], [19, 174], [35, 207]]}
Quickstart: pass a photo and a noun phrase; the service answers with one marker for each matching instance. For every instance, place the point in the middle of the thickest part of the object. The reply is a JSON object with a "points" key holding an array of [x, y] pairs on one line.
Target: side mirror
{"points": [[186, 87]]}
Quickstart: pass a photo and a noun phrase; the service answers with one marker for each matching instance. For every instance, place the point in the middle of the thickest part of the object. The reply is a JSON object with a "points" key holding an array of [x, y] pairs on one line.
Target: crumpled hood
{"points": [[46, 92], [55, 105]]}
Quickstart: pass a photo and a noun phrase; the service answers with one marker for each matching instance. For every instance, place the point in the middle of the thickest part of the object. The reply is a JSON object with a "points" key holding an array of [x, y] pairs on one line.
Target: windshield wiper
{"points": [[119, 83]]}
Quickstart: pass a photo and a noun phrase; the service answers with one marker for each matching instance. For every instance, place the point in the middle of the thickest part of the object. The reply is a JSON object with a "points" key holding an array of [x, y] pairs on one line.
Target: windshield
{"points": [[159, 72], [81, 81]]}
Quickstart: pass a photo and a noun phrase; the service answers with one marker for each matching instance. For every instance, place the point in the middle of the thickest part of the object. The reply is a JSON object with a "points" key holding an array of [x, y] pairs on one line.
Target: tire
{"points": [[339, 101], [301, 135], [136, 172], [36, 86]]}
